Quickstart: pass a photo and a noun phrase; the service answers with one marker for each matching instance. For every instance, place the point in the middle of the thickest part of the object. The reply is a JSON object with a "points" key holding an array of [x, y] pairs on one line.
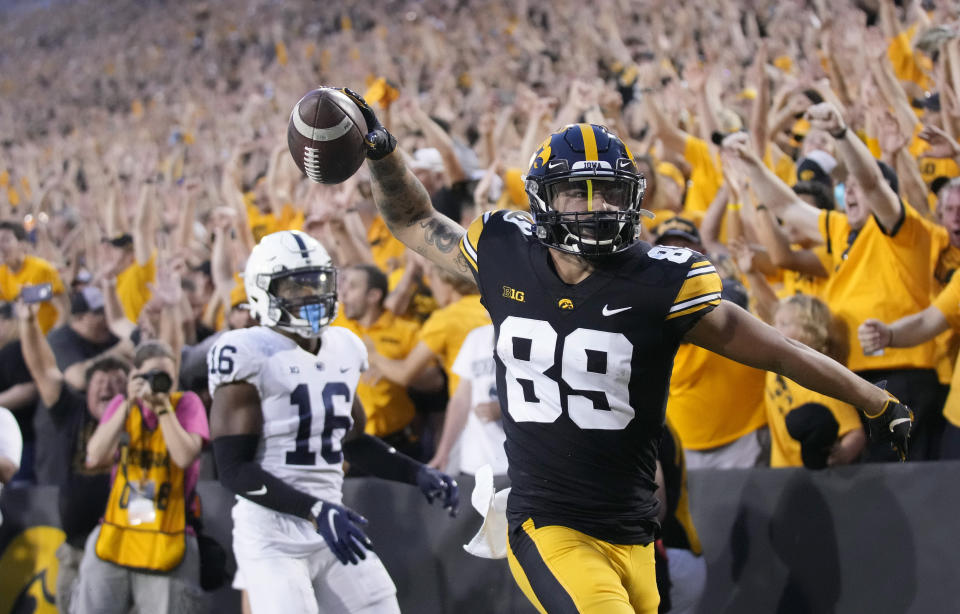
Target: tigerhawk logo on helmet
{"points": [[589, 163]]}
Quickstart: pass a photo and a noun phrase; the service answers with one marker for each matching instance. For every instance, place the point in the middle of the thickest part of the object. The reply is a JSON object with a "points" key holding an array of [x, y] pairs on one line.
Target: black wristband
{"points": [[374, 456], [839, 134], [761, 207], [243, 476]]}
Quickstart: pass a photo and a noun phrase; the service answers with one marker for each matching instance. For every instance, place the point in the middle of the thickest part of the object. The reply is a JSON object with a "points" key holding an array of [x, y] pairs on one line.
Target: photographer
{"points": [[144, 553]]}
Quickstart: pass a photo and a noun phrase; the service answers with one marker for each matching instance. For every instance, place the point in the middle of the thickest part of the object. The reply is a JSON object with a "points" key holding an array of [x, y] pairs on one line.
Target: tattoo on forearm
{"points": [[400, 197], [436, 233], [462, 265]]}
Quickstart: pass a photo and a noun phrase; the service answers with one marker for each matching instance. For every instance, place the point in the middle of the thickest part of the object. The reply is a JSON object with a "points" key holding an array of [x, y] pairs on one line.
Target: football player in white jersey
{"points": [[284, 416]]}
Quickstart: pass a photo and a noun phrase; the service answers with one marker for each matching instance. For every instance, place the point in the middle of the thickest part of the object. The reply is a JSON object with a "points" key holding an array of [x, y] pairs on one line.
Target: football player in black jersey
{"points": [[588, 319]]}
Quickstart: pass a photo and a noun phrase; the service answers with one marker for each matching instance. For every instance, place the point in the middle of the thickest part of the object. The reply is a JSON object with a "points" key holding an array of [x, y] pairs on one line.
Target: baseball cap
{"points": [[678, 227], [86, 299], [120, 240], [816, 166]]}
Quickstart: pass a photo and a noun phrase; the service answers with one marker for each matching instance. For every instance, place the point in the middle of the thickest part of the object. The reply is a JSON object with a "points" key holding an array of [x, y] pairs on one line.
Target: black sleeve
{"points": [[67, 404], [374, 456], [241, 475]]}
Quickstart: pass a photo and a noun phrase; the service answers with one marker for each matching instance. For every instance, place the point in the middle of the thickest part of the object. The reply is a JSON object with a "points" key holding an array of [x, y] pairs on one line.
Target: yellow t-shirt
{"points": [[132, 289], [705, 177], [713, 400], [445, 330], [800, 283], [948, 302], [34, 271], [261, 224], [907, 65], [783, 396], [388, 251], [883, 277], [387, 404]]}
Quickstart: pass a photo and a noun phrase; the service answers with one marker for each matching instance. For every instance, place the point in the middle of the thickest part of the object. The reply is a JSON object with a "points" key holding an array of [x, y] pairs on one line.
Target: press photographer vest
{"points": [[151, 546]]}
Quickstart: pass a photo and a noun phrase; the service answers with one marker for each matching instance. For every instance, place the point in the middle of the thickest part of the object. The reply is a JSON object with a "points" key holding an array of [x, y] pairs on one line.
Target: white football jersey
{"points": [[306, 400]]}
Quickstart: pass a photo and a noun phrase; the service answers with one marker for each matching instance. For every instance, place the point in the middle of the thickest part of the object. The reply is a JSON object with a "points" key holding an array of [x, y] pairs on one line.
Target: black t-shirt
{"points": [[13, 371], [63, 430], [70, 348]]}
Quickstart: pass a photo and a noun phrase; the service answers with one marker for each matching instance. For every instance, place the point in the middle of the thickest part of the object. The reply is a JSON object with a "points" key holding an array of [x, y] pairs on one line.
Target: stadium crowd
{"points": [[808, 147]]}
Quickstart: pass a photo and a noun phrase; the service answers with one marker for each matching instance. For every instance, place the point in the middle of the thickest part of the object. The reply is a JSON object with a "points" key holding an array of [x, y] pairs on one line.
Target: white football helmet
{"points": [[291, 283]]}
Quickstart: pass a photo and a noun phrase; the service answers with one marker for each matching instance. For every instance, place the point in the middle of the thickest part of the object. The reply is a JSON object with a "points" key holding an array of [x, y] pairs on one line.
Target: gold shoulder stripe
{"points": [[695, 306], [471, 238], [697, 286], [697, 265]]}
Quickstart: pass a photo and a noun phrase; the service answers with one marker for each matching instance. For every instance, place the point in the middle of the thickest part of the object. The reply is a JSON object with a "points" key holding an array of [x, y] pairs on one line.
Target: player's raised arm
{"points": [[730, 331], [405, 203]]}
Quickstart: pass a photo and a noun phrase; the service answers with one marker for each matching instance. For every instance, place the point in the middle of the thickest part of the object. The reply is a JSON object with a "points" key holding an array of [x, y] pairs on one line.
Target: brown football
{"points": [[326, 135]]}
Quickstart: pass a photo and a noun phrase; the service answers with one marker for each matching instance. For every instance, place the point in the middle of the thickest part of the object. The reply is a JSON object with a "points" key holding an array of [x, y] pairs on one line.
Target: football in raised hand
{"points": [[326, 135]]}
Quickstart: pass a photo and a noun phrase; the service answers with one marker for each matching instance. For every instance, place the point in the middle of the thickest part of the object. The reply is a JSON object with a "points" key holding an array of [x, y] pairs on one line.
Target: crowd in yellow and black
{"points": [[809, 148]]}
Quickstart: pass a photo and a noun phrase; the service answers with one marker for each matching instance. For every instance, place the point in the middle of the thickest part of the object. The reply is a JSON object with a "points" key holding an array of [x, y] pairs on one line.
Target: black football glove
{"points": [[893, 425], [380, 143], [341, 528], [438, 485]]}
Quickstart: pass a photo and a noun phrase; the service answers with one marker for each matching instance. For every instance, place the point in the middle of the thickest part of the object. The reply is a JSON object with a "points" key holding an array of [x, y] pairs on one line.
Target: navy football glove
{"points": [[380, 143], [893, 425], [341, 528], [438, 485]]}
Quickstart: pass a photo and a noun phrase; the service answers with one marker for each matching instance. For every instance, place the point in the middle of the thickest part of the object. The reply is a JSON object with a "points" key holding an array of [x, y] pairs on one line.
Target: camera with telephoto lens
{"points": [[159, 380]]}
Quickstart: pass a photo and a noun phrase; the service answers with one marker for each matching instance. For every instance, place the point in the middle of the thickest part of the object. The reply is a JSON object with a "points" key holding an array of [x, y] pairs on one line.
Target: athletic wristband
{"points": [[839, 134], [761, 208]]}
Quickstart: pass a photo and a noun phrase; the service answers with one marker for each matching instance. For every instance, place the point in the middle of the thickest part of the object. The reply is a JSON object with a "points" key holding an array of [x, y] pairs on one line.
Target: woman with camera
{"points": [[144, 553]]}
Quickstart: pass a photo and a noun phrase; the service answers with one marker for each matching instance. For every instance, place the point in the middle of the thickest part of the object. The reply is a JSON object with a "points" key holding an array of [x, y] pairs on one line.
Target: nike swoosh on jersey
{"points": [[609, 312], [260, 491]]}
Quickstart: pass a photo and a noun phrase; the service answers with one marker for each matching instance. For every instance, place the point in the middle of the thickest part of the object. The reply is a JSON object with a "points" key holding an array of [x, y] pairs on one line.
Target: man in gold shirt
{"points": [[732, 433], [19, 269], [133, 264], [882, 255], [389, 408]]}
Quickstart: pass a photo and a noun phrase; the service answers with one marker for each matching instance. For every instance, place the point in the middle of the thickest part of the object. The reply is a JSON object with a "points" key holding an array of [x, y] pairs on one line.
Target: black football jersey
{"points": [[583, 372]]}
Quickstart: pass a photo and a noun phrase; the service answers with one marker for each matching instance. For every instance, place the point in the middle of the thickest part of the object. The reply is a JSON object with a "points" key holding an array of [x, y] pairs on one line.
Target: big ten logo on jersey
{"points": [[678, 255], [516, 295], [521, 219], [595, 366]]}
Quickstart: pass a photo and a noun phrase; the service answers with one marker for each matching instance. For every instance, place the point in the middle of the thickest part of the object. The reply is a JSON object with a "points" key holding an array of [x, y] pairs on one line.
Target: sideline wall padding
{"points": [[878, 539]]}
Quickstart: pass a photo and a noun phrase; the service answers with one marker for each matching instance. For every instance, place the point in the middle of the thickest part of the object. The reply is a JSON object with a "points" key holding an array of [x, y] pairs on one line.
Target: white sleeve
{"points": [[463, 365], [352, 341], [11, 442], [235, 357]]}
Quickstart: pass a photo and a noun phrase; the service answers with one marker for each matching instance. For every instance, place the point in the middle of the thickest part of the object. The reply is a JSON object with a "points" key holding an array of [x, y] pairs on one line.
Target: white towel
{"points": [[490, 542]]}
